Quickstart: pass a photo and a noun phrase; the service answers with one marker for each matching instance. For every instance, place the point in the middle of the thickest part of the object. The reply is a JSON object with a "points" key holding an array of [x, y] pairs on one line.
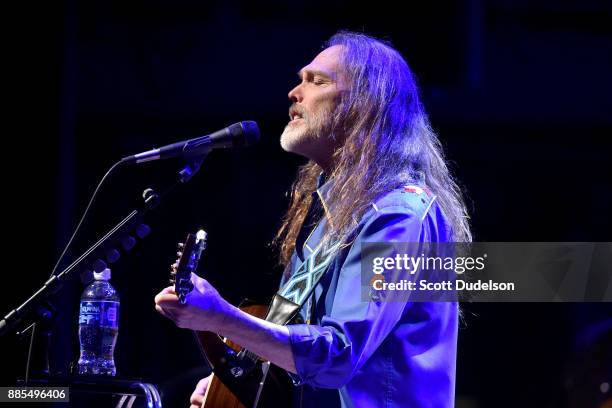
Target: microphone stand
{"points": [[37, 310]]}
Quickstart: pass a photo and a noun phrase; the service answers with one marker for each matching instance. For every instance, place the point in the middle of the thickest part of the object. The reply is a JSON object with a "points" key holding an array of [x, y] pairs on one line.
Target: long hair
{"points": [[387, 141]]}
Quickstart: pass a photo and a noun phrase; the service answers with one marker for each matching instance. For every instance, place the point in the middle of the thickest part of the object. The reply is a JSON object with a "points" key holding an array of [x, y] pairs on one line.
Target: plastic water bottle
{"points": [[98, 326]]}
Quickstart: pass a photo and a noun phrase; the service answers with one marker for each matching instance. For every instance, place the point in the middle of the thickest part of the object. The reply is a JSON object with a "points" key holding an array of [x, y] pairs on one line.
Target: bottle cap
{"points": [[104, 275]]}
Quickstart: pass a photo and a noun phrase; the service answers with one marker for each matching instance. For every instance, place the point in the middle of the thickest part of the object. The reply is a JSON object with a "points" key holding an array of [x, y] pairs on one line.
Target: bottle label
{"points": [[99, 313]]}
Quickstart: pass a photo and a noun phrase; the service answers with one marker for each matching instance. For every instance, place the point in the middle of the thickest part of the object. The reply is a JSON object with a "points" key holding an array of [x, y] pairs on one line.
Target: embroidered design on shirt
{"points": [[302, 282]]}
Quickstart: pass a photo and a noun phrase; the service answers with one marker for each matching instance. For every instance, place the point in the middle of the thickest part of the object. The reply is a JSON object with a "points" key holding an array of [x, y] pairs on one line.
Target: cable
{"points": [[78, 227]]}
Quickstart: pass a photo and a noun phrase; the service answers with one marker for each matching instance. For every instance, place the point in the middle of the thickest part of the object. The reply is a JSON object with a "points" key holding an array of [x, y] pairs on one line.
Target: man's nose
{"points": [[296, 94]]}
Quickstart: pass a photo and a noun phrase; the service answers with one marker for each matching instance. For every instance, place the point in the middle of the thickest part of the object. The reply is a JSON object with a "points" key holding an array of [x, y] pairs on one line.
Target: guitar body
{"points": [[241, 379], [262, 387]]}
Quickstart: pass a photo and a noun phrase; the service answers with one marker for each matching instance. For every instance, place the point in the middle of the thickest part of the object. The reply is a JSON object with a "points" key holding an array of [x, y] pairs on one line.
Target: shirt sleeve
{"points": [[327, 355]]}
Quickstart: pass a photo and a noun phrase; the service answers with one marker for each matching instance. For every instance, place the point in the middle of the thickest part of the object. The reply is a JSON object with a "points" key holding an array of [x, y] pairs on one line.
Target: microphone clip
{"points": [[191, 168]]}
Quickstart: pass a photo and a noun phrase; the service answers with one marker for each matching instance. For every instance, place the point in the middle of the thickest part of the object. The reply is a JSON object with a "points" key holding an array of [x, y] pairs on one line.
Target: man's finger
{"points": [[166, 291], [197, 397], [161, 311], [165, 297]]}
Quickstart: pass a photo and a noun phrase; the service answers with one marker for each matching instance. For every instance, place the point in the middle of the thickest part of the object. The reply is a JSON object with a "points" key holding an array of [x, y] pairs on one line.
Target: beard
{"points": [[312, 130]]}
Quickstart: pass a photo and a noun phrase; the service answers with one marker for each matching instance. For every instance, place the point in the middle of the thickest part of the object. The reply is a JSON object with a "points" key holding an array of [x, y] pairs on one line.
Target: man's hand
{"points": [[205, 308], [197, 397]]}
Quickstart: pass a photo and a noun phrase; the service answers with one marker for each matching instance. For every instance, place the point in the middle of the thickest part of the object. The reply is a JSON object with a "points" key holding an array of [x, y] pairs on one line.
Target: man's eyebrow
{"points": [[325, 74]]}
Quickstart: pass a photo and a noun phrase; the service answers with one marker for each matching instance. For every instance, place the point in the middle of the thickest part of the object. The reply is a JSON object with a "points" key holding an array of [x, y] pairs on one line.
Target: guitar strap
{"points": [[288, 301]]}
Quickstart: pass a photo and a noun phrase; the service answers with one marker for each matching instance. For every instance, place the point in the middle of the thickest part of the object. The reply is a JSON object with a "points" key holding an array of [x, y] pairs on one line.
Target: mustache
{"points": [[295, 108]]}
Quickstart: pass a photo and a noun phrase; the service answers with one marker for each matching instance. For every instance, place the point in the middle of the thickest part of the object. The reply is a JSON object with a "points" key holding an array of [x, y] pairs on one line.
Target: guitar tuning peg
{"points": [[179, 254], [180, 245]]}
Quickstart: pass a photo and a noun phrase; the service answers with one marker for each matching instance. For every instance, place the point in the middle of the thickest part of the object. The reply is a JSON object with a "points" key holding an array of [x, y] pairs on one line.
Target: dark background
{"points": [[519, 91]]}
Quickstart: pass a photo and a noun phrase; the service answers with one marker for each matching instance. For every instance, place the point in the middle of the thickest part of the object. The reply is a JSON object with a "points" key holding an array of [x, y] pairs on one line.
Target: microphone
{"points": [[239, 134]]}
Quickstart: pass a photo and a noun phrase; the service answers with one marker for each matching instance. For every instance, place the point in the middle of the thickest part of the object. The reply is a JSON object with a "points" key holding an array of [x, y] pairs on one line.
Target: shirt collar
{"points": [[323, 187]]}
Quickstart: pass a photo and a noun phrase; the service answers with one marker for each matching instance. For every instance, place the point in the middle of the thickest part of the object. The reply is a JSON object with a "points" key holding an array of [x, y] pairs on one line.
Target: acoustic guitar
{"points": [[240, 378]]}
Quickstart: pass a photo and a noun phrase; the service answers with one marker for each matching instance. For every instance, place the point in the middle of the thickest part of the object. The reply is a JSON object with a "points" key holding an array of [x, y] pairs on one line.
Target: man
{"points": [[376, 174]]}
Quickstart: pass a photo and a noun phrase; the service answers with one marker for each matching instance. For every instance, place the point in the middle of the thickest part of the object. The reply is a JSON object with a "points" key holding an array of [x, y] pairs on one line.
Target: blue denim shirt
{"points": [[357, 353]]}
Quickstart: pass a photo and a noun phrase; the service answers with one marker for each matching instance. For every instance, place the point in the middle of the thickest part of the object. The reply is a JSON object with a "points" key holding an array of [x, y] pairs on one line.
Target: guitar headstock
{"points": [[189, 253]]}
